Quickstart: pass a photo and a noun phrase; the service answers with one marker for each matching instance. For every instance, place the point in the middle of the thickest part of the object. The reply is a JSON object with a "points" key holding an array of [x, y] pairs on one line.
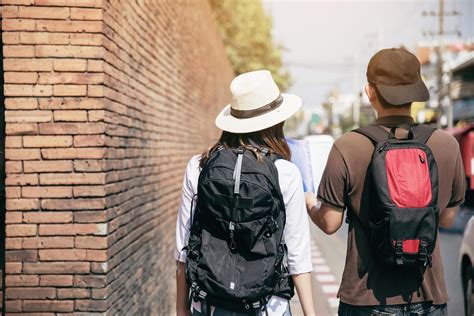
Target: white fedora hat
{"points": [[256, 104]]}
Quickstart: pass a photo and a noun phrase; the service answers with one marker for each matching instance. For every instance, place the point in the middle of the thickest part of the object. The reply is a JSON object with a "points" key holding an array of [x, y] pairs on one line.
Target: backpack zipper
{"points": [[387, 144]]}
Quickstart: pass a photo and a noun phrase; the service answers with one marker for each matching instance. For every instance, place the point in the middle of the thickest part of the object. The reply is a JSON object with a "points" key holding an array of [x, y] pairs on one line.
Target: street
{"points": [[328, 261]]}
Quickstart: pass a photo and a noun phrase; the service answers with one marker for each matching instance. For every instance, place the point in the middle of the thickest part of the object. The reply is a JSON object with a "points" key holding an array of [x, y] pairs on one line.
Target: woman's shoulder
{"points": [[287, 169]]}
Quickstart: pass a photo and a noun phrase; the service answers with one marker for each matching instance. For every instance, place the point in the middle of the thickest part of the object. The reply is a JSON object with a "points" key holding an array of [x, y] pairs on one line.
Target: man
{"points": [[368, 287]]}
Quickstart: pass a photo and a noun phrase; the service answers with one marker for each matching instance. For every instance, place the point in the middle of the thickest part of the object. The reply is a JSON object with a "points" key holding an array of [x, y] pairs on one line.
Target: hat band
{"points": [[243, 114]]}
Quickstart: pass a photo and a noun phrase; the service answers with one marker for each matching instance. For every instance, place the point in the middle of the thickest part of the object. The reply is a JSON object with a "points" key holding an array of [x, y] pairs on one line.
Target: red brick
{"points": [[22, 280], [71, 3], [72, 229], [13, 243], [30, 293], [46, 192], [22, 64], [13, 267], [22, 154], [73, 293], [21, 129], [48, 306], [13, 217], [20, 230], [89, 166], [70, 115], [70, 103], [90, 242], [47, 217], [72, 178], [48, 166], [73, 153], [96, 116], [28, 90], [47, 141], [95, 91], [62, 51], [13, 142], [48, 242], [70, 65], [68, 26], [90, 281], [56, 267], [11, 37], [89, 191], [14, 305], [12, 192], [44, 13], [90, 217], [89, 140], [44, 38], [20, 116], [91, 305], [21, 179], [71, 128], [86, 14], [96, 255], [87, 39], [13, 167], [76, 204], [70, 90], [21, 103], [62, 255], [56, 280], [9, 12], [18, 51], [70, 78], [21, 255], [21, 77], [18, 25], [95, 65], [22, 204]]}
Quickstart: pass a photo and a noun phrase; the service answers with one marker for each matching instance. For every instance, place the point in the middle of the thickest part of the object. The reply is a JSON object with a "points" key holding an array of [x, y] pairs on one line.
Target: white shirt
{"points": [[296, 232]]}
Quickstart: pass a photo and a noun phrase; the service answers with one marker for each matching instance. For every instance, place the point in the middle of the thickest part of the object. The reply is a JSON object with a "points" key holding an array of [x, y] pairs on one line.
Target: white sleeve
{"points": [[296, 233], [183, 222]]}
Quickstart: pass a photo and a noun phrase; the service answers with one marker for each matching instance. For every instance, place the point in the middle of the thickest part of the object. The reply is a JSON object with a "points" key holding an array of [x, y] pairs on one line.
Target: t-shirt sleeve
{"points": [[459, 182], [296, 232], [333, 182], [183, 221]]}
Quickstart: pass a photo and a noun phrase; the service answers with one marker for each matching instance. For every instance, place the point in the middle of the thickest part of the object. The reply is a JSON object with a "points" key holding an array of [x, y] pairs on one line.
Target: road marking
{"points": [[326, 278]]}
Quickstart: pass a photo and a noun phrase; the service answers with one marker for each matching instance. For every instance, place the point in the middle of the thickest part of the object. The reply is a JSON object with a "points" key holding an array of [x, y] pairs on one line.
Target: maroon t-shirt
{"points": [[364, 282]]}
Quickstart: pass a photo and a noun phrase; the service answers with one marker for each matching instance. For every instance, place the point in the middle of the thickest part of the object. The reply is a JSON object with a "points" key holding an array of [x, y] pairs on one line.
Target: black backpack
{"points": [[402, 181], [236, 253]]}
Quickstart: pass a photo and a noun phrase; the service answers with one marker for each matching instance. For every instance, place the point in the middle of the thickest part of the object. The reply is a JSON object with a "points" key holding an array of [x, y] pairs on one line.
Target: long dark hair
{"points": [[272, 138]]}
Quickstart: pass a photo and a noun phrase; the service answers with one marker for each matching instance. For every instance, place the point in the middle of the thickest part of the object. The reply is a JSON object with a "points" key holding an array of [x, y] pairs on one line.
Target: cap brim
{"points": [[403, 94], [290, 105]]}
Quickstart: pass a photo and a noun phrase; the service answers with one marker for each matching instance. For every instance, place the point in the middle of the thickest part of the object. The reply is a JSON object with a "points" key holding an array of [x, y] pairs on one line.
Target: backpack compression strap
{"points": [[375, 133]]}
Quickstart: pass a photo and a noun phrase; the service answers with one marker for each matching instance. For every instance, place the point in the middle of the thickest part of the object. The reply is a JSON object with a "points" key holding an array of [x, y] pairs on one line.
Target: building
{"points": [[104, 103]]}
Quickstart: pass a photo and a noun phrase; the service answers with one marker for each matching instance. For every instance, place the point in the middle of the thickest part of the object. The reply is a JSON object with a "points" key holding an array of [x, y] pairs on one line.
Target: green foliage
{"points": [[247, 34]]}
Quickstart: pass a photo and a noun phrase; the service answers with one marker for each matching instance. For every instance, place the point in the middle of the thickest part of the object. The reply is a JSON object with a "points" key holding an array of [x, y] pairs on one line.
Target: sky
{"points": [[328, 43]]}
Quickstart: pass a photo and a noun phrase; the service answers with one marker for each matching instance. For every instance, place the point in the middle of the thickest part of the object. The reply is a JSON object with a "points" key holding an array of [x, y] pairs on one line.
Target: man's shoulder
{"points": [[352, 141], [440, 137]]}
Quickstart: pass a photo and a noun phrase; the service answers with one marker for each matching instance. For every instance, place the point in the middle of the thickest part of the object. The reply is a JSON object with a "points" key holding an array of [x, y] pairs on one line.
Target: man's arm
{"points": [[328, 218]]}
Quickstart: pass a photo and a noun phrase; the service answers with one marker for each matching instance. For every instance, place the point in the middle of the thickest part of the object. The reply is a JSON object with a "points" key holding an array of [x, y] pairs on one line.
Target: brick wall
{"points": [[105, 103]]}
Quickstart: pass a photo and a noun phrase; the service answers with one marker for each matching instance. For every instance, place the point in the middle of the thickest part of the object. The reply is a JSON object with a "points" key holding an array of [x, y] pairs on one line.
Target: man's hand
{"points": [[326, 217]]}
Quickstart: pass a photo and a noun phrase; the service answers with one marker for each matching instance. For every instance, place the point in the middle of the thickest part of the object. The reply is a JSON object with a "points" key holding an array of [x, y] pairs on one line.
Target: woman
{"points": [[254, 120]]}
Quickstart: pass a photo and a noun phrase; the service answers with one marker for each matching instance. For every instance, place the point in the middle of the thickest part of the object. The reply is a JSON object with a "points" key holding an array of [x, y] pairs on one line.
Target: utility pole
{"points": [[441, 88]]}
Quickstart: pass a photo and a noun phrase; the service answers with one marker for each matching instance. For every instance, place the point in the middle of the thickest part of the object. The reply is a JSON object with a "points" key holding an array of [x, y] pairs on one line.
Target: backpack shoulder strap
{"points": [[373, 132], [422, 132]]}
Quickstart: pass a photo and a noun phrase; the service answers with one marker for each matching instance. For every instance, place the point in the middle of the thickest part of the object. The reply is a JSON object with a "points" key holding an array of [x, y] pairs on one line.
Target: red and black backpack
{"points": [[402, 180]]}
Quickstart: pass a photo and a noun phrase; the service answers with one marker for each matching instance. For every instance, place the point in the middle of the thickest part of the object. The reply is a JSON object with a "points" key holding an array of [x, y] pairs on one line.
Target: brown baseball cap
{"points": [[396, 74]]}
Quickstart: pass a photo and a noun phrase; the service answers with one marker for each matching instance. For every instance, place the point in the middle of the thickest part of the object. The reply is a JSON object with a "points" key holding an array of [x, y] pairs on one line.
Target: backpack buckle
{"points": [[272, 227], [423, 254], [399, 252], [264, 150]]}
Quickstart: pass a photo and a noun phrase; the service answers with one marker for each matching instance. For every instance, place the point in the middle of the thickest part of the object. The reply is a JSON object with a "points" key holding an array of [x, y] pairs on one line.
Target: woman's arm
{"points": [[182, 291], [304, 289], [296, 233]]}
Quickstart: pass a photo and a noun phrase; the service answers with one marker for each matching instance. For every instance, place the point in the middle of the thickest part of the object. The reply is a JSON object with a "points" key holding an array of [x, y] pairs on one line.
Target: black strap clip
{"points": [[399, 252]]}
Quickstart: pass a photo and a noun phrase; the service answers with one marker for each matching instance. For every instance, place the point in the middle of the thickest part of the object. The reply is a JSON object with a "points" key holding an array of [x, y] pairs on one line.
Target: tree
{"points": [[247, 35]]}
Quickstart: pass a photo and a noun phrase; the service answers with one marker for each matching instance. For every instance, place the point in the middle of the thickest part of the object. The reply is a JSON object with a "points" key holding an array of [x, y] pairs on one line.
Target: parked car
{"points": [[467, 264]]}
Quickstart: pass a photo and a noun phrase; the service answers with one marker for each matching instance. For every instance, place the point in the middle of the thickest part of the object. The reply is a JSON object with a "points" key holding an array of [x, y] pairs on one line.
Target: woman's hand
{"points": [[311, 200]]}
